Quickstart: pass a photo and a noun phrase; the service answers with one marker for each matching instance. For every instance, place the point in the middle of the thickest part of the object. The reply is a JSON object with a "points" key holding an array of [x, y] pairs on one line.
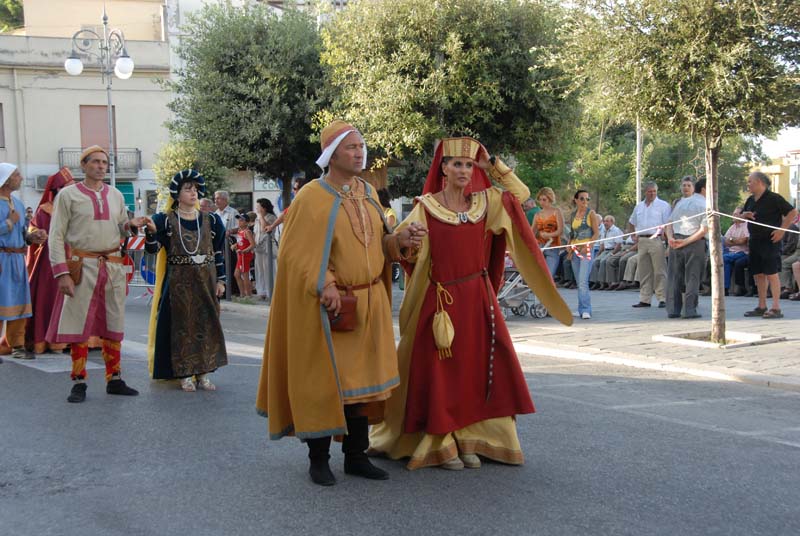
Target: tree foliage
{"points": [[705, 67], [410, 71], [249, 88], [177, 155], [11, 15]]}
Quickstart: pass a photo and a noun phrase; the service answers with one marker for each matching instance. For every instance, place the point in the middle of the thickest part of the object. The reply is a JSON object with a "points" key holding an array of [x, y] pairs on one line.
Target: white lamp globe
{"points": [[124, 67], [120, 75], [73, 65]]}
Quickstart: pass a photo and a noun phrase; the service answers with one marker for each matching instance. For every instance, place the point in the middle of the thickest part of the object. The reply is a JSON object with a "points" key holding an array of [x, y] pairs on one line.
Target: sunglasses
{"points": [[584, 199]]}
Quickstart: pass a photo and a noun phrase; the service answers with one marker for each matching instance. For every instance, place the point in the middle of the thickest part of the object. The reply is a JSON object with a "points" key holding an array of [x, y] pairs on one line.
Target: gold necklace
{"points": [[447, 205]]}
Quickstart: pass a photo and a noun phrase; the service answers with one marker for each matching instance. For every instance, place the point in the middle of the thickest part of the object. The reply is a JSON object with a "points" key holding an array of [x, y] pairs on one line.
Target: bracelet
{"points": [[329, 284]]}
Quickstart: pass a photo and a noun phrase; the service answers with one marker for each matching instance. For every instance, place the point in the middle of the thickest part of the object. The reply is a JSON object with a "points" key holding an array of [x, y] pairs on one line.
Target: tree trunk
{"points": [[712, 148]]}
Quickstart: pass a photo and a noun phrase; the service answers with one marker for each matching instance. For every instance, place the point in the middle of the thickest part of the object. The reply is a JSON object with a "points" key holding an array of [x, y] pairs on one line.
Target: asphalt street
{"points": [[612, 450]]}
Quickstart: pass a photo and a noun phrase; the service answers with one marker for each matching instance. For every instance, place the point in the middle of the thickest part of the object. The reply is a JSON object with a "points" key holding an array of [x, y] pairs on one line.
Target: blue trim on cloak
{"points": [[373, 388]]}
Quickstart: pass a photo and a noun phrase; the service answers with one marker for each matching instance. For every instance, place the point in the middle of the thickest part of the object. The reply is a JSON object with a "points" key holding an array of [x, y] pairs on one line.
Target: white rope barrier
{"points": [[658, 229]]}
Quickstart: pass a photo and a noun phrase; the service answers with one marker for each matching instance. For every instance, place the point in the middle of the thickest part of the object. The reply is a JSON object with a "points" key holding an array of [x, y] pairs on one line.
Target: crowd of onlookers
{"points": [[663, 250]]}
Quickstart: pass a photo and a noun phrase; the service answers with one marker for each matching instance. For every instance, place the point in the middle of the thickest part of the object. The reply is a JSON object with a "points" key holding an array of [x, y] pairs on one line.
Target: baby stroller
{"points": [[515, 297]]}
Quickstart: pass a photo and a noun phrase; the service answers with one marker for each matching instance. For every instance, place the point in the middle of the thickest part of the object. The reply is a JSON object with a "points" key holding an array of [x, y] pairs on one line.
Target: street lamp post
{"points": [[113, 59]]}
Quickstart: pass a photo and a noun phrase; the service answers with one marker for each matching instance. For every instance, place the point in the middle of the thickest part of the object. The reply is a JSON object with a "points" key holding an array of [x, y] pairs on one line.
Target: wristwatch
{"points": [[492, 159]]}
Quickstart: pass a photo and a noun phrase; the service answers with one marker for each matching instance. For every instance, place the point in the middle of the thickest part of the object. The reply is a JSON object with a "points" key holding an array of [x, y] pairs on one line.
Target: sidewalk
{"points": [[619, 334]]}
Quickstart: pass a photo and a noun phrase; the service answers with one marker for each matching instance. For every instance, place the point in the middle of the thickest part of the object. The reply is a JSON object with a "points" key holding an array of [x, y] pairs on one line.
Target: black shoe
{"points": [[696, 315], [662, 304], [673, 315], [640, 304], [321, 473], [77, 394], [359, 465], [118, 387]]}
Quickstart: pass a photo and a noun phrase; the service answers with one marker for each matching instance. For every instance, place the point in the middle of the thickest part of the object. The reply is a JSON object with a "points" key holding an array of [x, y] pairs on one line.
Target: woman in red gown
{"points": [[43, 286], [461, 381]]}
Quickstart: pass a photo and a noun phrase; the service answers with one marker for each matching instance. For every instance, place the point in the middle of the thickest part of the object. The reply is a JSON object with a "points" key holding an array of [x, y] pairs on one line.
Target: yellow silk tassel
{"points": [[443, 331]]}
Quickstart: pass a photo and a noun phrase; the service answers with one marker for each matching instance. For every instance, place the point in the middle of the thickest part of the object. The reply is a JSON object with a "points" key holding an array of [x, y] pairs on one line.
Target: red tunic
{"points": [[448, 394]]}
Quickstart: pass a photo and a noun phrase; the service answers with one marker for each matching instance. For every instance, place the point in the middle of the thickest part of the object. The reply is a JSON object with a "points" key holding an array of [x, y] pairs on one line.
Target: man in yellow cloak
{"points": [[317, 381]]}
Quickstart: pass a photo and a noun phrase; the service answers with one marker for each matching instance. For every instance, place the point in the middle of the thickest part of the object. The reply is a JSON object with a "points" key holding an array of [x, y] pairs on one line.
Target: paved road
{"points": [[613, 450]]}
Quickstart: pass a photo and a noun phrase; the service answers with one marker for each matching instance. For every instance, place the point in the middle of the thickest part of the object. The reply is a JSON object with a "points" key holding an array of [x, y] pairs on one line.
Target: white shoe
{"points": [[576, 314], [188, 385], [586, 316], [470, 460], [453, 465], [205, 384]]}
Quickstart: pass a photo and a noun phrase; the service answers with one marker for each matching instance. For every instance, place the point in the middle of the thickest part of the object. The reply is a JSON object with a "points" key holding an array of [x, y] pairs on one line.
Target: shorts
{"points": [[244, 262], [765, 257]]}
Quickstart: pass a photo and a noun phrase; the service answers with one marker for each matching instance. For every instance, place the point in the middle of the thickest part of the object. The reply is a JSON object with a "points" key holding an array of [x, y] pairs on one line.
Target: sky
{"points": [[787, 140]]}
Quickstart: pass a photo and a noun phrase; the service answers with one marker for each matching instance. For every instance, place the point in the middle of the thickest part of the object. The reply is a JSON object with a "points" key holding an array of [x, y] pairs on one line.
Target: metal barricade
{"points": [[142, 268]]}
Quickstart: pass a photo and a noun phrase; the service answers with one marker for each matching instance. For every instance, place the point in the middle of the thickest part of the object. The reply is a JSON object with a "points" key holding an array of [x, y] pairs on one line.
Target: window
{"points": [[94, 126], [242, 201]]}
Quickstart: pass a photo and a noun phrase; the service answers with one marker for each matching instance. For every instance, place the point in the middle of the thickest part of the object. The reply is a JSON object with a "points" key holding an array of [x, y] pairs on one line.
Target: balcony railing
{"points": [[128, 161]]}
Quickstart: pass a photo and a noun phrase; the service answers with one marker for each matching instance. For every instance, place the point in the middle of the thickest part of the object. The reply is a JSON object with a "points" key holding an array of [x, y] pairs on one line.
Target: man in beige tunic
{"points": [[88, 222]]}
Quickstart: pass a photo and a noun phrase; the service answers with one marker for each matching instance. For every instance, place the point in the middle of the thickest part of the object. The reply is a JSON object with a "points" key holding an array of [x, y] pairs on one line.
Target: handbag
{"points": [[346, 319], [75, 267]]}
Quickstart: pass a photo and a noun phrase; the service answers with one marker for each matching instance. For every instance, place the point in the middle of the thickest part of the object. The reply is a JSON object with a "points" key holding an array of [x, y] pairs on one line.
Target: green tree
{"points": [[709, 68], [177, 155], [410, 71], [11, 15], [249, 88]]}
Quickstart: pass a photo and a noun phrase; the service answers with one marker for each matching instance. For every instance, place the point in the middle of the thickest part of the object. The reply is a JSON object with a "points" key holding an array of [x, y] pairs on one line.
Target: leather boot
{"points": [[354, 445], [318, 453]]}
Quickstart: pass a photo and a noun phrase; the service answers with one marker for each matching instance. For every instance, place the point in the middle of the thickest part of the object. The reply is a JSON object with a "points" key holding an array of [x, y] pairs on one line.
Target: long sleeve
{"points": [[218, 243], [504, 176], [154, 242], [58, 231]]}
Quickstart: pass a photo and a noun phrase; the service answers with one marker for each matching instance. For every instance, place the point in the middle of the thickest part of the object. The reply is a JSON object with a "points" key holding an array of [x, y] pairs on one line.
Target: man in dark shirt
{"points": [[769, 208]]}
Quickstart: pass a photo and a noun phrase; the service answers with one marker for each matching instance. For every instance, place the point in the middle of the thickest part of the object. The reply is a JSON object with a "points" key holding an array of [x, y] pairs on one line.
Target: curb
{"points": [[716, 373]]}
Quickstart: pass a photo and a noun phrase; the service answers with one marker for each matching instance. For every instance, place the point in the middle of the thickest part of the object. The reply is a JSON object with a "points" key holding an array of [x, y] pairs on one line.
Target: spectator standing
{"points": [[647, 218], [769, 208], [244, 246], [548, 226], [584, 228], [687, 249], [228, 216], [265, 216]]}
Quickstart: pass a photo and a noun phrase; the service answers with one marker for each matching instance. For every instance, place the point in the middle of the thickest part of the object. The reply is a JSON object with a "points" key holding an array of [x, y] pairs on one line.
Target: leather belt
{"points": [[360, 287], [102, 255], [469, 277], [21, 251]]}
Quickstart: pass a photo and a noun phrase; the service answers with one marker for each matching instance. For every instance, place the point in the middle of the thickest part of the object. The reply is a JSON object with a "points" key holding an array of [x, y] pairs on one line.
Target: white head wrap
{"points": [[325, 158], [6, 170]]}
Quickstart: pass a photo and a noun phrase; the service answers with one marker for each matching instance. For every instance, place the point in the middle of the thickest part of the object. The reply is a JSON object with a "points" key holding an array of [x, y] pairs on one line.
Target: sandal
{"points": [[188, 385], [795, 297], [773, 313], [205, 384], [758, 311]]}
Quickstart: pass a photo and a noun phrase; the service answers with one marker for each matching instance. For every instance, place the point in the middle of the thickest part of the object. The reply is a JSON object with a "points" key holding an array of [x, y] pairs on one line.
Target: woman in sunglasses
{"points": [[583, 230]]}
